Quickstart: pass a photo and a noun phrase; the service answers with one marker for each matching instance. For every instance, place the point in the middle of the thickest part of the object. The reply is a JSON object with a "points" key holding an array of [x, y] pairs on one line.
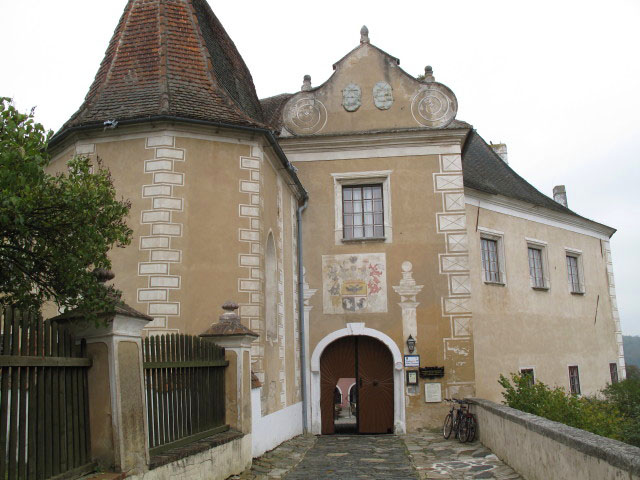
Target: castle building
{"points": [[364, 230]]}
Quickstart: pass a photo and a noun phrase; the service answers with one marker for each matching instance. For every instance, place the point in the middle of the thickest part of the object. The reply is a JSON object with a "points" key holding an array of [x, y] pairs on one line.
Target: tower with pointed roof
{"points": [[408, 224]]}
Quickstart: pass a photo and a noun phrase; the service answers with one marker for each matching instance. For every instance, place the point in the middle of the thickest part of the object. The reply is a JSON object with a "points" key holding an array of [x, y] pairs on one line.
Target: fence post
{"points": [[236, 339], [117, 409]]}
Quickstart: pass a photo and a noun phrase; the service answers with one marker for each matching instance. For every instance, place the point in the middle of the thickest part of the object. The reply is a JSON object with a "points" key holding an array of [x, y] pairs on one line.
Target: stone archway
{"points": [[398, 374]]}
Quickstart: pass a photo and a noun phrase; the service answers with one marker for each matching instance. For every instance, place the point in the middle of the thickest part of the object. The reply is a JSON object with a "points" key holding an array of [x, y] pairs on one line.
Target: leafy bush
{"points": [[614, 413]]}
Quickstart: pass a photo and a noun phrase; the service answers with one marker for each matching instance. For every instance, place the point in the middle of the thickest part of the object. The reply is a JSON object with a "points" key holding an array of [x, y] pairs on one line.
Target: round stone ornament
{"points": [[351, 97], [304, 115], [382, 95], [434, 106]]}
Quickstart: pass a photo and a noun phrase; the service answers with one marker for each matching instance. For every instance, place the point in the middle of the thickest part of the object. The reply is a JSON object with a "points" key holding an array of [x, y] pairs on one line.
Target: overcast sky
{"points": [[558, 81]]}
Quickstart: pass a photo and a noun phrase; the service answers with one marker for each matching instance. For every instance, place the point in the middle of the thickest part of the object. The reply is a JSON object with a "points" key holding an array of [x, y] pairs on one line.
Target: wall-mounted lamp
{"points": [[411, 344]]}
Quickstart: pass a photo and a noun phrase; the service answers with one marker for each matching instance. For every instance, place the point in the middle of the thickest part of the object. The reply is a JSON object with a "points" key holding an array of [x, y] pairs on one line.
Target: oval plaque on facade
{"points": [[383, 95], [305, 115], [434, 106], [351, 97]]}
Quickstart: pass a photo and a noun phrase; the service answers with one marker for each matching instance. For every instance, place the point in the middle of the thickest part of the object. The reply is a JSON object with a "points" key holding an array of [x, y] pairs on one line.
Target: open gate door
{"points": [[337, 361], [375, 387]]}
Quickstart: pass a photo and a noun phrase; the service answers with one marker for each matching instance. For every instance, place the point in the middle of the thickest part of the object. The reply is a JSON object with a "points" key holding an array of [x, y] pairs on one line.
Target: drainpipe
{"points": [[303, 343]]}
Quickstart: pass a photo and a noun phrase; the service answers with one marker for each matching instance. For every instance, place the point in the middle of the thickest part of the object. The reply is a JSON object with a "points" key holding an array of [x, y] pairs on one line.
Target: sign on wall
{"points": [[354, 283], [432, 392]]}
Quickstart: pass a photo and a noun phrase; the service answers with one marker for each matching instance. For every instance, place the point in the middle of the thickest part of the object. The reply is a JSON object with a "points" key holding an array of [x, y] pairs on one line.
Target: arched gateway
{"points": [[376, 362]]}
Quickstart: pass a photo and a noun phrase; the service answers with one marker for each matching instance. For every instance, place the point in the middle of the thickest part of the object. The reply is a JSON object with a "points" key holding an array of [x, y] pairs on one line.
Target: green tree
{"points": [[54, 229]]}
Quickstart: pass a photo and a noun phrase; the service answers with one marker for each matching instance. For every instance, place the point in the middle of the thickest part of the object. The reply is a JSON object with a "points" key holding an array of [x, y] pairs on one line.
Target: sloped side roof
{"points": [[272, 108], [170, 58], [484, 170]]}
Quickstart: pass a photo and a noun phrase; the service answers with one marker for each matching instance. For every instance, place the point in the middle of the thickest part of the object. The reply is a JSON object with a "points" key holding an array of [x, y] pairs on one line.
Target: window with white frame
{"points": [[574, 380], [575, 276], [492, 255], [362, 206], [538, 265], [362, 211]]}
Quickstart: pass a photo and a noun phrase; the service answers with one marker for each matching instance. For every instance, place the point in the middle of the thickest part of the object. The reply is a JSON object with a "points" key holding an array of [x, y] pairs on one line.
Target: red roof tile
{"points": [[170, 58]]}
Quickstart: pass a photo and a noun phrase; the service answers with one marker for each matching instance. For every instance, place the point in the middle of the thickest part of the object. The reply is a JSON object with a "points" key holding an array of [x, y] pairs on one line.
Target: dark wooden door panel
{"points": [[337, 361], [375, 383]]}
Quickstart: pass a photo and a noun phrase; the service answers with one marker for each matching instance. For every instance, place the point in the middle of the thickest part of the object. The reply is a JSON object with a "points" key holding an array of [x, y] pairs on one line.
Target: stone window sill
{"points": [[577, 293], [497, 284], [543, 289], [364, 239]]}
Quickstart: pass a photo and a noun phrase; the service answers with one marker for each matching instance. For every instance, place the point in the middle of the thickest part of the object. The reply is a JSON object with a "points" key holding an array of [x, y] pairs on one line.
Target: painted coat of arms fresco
{"points": [[354, 283]]}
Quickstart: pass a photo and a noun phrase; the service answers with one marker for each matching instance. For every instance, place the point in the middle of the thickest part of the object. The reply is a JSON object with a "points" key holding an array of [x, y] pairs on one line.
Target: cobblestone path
{"points": [[355, 457], [437, 458], [422, 456]]}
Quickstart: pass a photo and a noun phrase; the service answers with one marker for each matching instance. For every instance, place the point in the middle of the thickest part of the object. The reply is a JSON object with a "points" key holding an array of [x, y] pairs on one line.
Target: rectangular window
{"points": [[362, 212], [573, 272], [574, 380], [613, 369], [490, 261], [536, 271], [528, 373]]}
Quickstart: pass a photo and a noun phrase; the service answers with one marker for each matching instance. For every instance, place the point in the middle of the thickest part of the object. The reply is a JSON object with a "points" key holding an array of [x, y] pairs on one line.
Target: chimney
{"points": [[501, 150], [560, 195]]}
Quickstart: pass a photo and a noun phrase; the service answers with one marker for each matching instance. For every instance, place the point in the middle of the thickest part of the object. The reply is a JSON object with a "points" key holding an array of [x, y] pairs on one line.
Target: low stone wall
{"points": [[217, 463], [540, 449], [271, 430]]}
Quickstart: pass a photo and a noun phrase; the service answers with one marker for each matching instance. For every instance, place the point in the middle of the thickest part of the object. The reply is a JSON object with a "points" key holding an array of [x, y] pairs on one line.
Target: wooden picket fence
{"points": [[184, 378], [44, 412]]}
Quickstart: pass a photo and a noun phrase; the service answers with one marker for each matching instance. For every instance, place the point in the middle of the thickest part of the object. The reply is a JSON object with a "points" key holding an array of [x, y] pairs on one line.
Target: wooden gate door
{"points": [[337, 361], [375, 386]]}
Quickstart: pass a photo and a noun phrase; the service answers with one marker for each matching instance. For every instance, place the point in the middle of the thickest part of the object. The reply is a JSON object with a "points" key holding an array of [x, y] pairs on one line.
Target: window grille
{"points": [[490, 263], [573, 272], [535, 267], [362, 212], [613, 369], [574, 380], [529, 375]]}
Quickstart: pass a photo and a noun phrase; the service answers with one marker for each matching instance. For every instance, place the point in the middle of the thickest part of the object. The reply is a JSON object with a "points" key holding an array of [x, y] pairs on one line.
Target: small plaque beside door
{"points": [[432, 392], [412, 360]]}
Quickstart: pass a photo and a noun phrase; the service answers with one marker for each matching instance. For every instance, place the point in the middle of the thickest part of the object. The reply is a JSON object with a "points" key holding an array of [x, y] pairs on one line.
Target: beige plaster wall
{"points": [[414, 204], [516, 326], [225, 197]]}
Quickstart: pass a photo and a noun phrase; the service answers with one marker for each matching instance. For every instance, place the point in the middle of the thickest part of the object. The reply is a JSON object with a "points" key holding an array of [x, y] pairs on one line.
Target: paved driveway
{"points": [[417, 456]]}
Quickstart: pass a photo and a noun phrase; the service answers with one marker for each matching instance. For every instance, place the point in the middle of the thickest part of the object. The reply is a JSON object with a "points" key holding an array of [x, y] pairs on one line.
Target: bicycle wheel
{"points": [[463, 430], [448, 426], [471, 428]]}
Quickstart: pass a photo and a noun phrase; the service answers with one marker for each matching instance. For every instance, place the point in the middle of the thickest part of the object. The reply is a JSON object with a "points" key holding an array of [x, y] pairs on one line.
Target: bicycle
{"points": [[460, 421]]}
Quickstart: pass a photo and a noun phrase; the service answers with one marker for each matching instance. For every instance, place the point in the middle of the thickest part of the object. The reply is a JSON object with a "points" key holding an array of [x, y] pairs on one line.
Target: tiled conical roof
{"points": [[170, 58]]}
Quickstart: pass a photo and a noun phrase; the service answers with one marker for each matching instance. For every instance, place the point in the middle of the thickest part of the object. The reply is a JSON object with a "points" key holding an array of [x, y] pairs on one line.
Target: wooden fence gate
{"points": [[44, 411], [184, 377]]}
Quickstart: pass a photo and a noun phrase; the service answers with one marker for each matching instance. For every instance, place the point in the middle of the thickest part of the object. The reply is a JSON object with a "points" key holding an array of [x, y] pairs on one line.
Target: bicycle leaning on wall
{"points": [[459, 420]]}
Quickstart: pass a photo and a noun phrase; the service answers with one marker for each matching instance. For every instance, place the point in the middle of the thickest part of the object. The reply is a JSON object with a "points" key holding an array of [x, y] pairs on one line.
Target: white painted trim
{"points": [[359, 178], [535, 241], [271, 430], [373, 153], [398, 374], [526, 211], [416, 142]]}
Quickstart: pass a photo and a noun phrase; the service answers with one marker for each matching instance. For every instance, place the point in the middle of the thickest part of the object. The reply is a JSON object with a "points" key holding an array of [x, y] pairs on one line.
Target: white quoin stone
{"points": [[408, 289]]}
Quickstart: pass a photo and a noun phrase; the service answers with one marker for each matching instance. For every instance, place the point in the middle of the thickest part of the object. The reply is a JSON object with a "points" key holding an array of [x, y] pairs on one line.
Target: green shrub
{"points": [[613, 413]]}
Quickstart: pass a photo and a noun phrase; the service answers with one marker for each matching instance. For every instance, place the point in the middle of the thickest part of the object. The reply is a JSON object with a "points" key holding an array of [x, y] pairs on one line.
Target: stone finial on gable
{"points": [[364, 34], [428, 75], [306, 83]]}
